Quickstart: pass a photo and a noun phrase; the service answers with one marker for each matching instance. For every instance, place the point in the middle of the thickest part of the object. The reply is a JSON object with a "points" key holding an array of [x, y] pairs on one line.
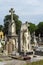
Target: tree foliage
{"points": [[1, 28], [37, 28], [32, 27], [40, 29]]}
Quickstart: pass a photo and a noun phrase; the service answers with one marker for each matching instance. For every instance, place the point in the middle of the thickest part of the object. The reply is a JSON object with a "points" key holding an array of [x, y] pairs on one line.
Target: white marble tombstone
{"points": [[25, 38], [40, 38], [35, 41]]}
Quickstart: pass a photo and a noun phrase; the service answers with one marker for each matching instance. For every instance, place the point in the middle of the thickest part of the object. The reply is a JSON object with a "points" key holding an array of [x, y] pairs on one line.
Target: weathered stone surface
{"points": [[25, 38], [12, 43]]}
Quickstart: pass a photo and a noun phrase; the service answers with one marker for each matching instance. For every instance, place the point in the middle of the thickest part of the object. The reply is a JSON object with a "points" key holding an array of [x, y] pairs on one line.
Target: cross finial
{"points": [[12, 12]]}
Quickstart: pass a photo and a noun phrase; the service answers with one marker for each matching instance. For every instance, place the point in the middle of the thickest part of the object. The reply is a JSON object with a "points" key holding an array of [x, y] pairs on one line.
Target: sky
{"points": [[27, 10]]}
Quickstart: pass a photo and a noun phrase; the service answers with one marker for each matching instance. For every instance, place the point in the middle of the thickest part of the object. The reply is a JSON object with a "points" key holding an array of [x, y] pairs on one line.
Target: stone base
{"points": [[15, 53], [27, 53]]}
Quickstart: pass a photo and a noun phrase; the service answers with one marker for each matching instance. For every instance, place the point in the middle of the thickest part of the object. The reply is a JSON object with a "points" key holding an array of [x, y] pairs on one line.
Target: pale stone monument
{"points": [[0, 44], [39, 39], [12, 26], [35, 41], [12, 43], [25, 38]]}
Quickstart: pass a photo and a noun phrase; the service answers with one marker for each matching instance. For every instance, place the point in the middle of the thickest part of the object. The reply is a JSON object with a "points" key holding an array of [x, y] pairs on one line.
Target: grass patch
{"points": [[1, 60], [36, 63]]}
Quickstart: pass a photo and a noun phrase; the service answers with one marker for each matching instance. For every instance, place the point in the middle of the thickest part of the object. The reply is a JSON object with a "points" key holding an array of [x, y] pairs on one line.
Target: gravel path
{"points": [[38, 58], [15, 62], [20, 62]]}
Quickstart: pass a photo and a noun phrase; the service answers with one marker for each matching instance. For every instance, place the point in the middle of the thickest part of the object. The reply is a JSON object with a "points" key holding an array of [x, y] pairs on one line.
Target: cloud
{"points": [[23, 8], [30, 2]]}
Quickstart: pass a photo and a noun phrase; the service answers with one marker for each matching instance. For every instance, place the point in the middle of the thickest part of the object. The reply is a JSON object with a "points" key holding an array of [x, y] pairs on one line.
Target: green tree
{"points": [[1, 28], [32, 27], [40, 29], [17, 22]]}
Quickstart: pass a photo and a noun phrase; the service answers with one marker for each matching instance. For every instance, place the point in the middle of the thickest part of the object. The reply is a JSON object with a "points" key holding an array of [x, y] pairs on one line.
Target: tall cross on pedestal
{"points": [[12, 12]]}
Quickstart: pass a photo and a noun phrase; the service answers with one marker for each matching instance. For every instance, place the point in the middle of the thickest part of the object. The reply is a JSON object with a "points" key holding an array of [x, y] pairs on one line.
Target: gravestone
{"points": [[12, 36], [35, 41], [25, 38], [39, 39]]}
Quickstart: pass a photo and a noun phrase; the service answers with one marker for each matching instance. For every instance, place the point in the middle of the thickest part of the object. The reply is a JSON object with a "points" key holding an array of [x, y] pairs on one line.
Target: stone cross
{"points": [[11, 11], [12, 23]]}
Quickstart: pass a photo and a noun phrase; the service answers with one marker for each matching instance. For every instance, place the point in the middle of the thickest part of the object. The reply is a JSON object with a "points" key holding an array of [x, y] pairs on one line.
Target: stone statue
{"points": [[35, 41], [39, 39], [25, 38]]}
